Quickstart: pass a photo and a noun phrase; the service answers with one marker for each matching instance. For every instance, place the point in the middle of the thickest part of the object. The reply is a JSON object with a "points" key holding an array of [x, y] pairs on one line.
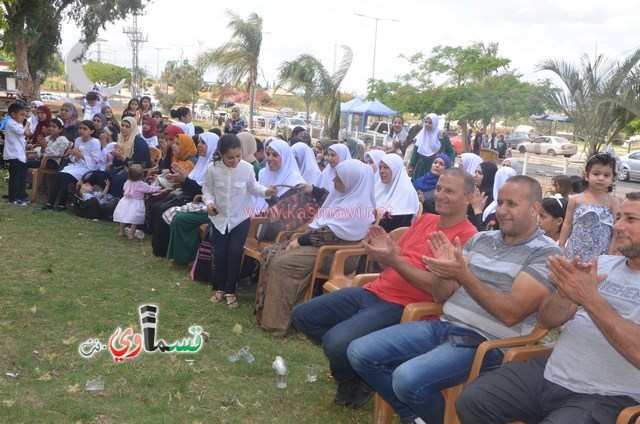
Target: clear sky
{"points": [[527, 31]]}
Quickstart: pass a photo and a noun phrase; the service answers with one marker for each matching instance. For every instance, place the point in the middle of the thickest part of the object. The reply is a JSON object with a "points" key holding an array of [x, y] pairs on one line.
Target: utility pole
{"points": [[137, 39], [375, 39]]}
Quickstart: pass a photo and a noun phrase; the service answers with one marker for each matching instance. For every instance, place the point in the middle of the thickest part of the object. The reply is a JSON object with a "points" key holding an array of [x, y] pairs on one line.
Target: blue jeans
{"points": [[336, 319], [408, 364]]}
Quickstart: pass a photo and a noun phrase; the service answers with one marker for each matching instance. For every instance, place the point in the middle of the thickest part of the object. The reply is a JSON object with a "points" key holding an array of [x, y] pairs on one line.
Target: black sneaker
{"points": [[361, 395], [45, 207], [345, 392]]}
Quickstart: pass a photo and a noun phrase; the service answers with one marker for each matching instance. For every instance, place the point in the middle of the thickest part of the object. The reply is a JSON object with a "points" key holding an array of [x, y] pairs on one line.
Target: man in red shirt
{"points": [[336, 319]]}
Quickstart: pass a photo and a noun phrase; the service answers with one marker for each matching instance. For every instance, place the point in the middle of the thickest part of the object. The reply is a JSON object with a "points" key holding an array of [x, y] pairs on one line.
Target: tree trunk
{"points": [[465, 128], [22, 66]]}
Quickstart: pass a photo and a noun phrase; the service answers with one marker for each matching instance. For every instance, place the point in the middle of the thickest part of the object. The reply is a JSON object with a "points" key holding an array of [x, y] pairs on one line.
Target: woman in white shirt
{"points": [[396, 138], [228, 185]]}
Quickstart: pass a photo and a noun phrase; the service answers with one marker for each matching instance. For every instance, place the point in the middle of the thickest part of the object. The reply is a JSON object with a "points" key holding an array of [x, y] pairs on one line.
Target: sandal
{"points": [[218, 296], [232, 302]]}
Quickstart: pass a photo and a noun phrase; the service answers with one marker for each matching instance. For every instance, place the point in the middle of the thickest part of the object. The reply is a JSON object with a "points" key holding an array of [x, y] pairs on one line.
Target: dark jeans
{"points": [[60, 188], [336, 319], [519, 391], [17, 179], [408, 364], [35, 163], [228, 249]]}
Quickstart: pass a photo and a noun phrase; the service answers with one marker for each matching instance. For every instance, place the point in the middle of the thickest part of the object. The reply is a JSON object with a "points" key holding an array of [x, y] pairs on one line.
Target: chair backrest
{"points": [[156, 154]]}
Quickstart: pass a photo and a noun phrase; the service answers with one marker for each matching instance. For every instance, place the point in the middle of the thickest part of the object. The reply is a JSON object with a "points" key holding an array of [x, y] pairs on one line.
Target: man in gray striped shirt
{"points": [[495, 284]]}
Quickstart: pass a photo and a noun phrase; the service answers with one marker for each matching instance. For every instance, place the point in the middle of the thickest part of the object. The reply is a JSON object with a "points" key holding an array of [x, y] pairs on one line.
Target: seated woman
{"points": [[551, 216], [281, 171], [483, 176], [470, 162], [372, 158], [345, 217], [130, 149], [84, 157], [69, 115], [511, 163], [426, 185], [487, 220], [184, 236], [165, 142], [395, 194], [100, 123], [356, 150], [337, 153], [307, 163], [249, 147], [184, 152], [52, 145], [149, 132]]}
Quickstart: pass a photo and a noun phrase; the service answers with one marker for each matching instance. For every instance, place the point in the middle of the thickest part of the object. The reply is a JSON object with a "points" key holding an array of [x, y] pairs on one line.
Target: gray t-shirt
{"points": [[497, 264], [583, 361]]}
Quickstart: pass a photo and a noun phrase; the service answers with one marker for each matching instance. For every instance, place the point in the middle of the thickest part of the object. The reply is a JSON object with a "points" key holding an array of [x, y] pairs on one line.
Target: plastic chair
{"points": [[43, 171]]}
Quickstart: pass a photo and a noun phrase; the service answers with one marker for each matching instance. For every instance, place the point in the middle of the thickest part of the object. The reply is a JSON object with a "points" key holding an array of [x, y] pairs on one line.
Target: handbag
{"points": [[288, 214], [204, 265]]}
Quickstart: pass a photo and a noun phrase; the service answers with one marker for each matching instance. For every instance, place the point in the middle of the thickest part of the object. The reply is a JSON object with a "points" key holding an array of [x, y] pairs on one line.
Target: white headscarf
{"points": [[288, 174], [513, 162], [398, 197], [199, 171], [427, 141], [470, 162], [375, 156], [34, 114], [502, 176], [326, 178], [349, 214], [307, 162]]}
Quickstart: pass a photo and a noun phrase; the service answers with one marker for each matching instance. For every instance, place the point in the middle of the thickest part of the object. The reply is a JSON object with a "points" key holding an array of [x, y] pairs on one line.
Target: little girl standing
{"points": [[130, 209], [588, 226], [228, 185]]}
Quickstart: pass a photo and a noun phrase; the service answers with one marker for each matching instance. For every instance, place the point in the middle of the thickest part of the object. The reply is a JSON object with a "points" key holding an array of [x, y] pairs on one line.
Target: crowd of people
{"points": [[499, 256]]}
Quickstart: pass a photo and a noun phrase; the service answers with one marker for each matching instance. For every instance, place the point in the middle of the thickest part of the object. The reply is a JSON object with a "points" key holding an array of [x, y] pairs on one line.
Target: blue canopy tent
{"points": [[345, 112], [553, 119], [371, 108]]}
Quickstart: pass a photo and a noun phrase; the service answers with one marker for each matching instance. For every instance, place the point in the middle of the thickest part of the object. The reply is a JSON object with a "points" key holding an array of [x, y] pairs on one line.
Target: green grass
{"points": [[64, 280]]}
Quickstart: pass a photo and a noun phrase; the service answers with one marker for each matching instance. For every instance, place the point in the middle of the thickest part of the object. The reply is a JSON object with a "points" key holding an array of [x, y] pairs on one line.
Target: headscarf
{"points": [[173, 131], [326, 178], [428, 181], [199, 171], [103, 119], [41, 127], [375, 156], [127, 143], [489, 170], [152, 127], [398, 197], [187, 149], [354, 151], [428, 142], [34, 116], [501, 177], [470, 162], [73, 115], [248, 146], [513, 163], [349, 214], [288, 174], [307, 162]]}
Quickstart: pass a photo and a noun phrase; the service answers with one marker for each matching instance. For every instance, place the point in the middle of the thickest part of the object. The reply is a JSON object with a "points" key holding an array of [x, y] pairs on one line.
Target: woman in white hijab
{"points": [[372, 158], [344, 217], [489, 221], [470, 162], [337, 153], [281, 171], [306, 162], [185, 221], [396, 199], [429, 142], [511, 163]]}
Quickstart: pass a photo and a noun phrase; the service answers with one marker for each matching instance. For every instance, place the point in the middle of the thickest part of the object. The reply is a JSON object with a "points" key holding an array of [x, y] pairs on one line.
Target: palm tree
{"points": [[238, 58], [600, 97], [329, 94], [304, 72]]}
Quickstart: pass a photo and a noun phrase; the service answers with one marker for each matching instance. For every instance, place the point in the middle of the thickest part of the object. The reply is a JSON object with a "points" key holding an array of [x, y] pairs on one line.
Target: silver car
{"points": [[630, 166], [548, 145]]}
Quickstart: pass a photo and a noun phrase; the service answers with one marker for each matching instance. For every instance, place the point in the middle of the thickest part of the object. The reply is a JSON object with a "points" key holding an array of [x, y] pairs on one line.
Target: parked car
{"points": [[316, 128], [227, 103], [202, 112], [551, 146], [50, 97], [456, 141], [516, 138], [288, 124], [287, 112], [377, 131], [258, 120], [630, 166]]}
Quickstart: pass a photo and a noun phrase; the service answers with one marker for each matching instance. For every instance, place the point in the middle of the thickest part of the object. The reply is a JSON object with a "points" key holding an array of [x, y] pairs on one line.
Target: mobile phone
{"points": [[457, 340]]}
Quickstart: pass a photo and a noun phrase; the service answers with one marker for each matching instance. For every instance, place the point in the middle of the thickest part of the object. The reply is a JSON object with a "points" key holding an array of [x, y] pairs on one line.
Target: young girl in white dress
{"points": [[130, 209]]}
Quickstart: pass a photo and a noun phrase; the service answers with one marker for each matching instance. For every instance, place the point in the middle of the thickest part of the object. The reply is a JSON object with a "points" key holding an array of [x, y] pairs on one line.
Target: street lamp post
{"points": [[375, 38]]}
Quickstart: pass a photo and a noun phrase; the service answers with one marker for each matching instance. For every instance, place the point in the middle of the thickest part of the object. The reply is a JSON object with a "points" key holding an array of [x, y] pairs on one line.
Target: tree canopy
{"points": [[106, 73]]}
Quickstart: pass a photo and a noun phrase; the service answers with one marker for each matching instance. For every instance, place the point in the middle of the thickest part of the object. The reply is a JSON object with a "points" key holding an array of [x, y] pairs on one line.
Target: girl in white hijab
{"points": [[395, 194], [306, 162], [340, 154], [372, 158], [198, 172], [501, 177], [288, 174]]}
